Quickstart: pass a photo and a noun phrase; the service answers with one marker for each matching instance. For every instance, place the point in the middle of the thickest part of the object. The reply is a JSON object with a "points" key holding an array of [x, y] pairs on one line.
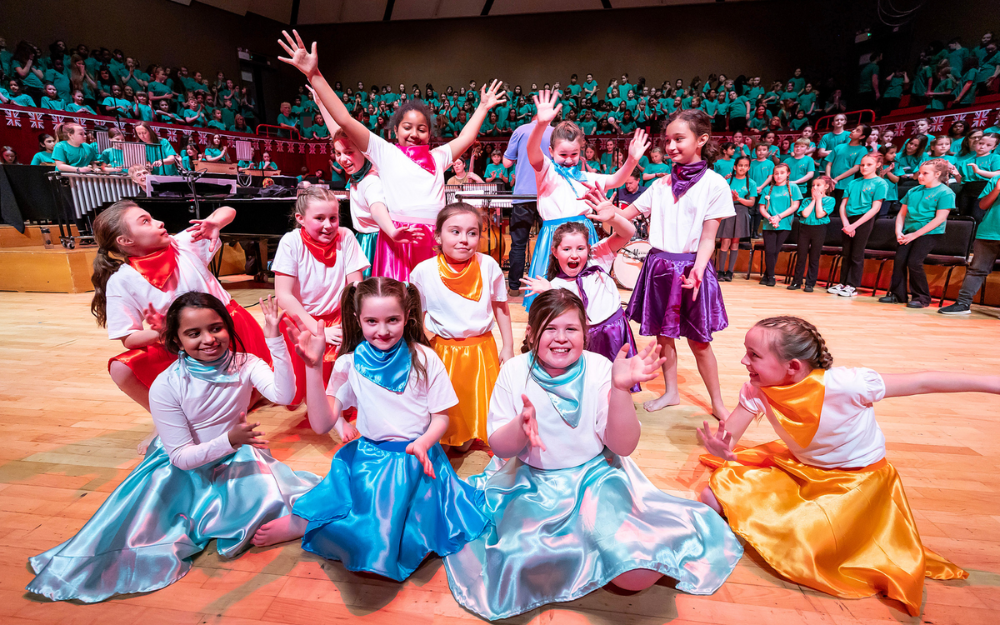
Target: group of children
{"points": [[559, 417]]}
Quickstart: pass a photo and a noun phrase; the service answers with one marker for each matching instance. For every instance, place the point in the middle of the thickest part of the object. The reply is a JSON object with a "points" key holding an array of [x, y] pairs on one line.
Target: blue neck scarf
{"points": [[565, 391], [218, 371], [570, 173], [389, 369]]}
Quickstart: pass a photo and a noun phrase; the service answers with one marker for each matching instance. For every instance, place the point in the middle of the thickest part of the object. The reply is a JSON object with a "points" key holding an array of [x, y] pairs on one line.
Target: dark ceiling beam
{"points": [[295, 13], [388, 10], [606, 4], [487, 7]]}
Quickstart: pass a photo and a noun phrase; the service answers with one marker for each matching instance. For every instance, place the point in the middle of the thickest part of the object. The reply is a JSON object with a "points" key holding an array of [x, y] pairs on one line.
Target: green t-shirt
{"points": [[806, 100], [655, 168], [158, 89], [55, 105], [895, 88], [43, 158], [777, 200], [213, 152], [800, 167], [896, 170], [844, 157], [61, 82], [990, 162], [495, 169], [863, 192], [288, 121], [588, 128], [828, 205], [724, 167], [30, 79], [937, 103], [989, 229], [159, 152], [198, 115], [831, 140], [73, 107], [760, 170], [865, 84], [113, 157], [744, 187], [217, 125], [910, 163], [922, 204], [74, 157], [920, 80], [798, 124]]}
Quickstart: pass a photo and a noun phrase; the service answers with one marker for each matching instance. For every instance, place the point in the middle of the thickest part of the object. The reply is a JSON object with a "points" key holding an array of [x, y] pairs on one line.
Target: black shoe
{"points": [[763, 281], [956, 309], [771, 282], [889, 299], [807, 289], [914, 303], [794, 286], [729, 276]]}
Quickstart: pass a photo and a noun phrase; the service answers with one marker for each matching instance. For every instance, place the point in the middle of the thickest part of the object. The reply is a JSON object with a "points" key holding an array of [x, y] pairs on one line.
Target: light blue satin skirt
{"points": [[558, 535], [543, 249], [367, 241], [377, 512], [144, 535]]}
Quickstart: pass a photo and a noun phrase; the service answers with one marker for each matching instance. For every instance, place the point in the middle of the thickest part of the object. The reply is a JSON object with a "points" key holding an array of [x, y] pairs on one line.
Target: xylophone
{"points": [[81, 195]]}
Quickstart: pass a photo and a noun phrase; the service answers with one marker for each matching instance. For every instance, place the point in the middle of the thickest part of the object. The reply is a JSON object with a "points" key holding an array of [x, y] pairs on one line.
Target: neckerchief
{"points": [[157, 267], [324, 253], [389, 369], [798, 406], [218, 371], [565, 391], [569, 174], [683, 177], [421, 155], [579, 280], [358, 176], [468, 282]]}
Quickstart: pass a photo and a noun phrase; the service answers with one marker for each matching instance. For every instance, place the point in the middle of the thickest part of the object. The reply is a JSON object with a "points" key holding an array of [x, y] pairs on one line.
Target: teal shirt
{"points": [[831, 140], [896, 170], [895, 88], [827, 205], [113, 157], [938, 102], [865, 84], [217, 125], [55, 105], [74, 157], [800, 167], [588, 128], [922, 204], [760, 170], [73, 107], [213, 152], [655, 168], [497, 169], [990, 162], [288, 121], [777, 200], [321, 131], [143, 112], [844, 157], [43, 158], [200, 117], [920, 80], [909, 164], [863, 192], [806, 100], [160, 152], [744, 187], [31, 79], [158, 89], [989, 229], [124, 107], [61, 83], [798, 124], [724, 167]]}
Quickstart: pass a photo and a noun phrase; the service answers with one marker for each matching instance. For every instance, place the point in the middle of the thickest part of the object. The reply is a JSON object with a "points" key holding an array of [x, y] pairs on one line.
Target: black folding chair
{"points": [[791, 245], [953, 249], [882, 246]]}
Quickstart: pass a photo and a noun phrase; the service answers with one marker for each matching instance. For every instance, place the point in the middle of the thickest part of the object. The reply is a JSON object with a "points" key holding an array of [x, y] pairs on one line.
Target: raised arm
{"points": [[547, 103], [622, 430], [640, 143]]}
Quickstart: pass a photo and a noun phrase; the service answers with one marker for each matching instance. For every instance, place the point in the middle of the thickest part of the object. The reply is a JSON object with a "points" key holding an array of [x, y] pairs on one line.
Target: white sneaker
{"points": [[847, 291], [835, 289]]}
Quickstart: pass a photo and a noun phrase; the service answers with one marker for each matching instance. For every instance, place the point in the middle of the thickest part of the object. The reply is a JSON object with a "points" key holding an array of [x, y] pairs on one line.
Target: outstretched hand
{"points": [[645, 366], [153, 319], [534, 286], [547, 106], [718, 444], [306, 61], [272, 316], [640, 143], [604, 207], [529, 424], [310, 343], [490, 97]]}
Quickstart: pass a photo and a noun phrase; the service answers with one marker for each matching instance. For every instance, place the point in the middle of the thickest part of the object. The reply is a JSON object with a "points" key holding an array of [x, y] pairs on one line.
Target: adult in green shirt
{"points": [[942, 91], [868, 87], [895, 82], [159, 153], [985, 251]]}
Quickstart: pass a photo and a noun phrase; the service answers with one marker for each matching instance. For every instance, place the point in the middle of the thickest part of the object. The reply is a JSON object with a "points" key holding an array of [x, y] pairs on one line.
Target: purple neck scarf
{"points": [[683, 177], [579, 280]]}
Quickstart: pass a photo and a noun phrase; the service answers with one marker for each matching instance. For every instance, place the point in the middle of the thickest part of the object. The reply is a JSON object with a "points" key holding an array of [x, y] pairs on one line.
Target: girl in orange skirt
{"points": [[822, 505], [138, 273], [462, 292]]}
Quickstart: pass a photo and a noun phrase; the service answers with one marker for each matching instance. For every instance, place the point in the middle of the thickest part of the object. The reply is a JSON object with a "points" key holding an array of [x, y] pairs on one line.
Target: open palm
{"points": [[307, 61], [627, 372], [547, 105]]}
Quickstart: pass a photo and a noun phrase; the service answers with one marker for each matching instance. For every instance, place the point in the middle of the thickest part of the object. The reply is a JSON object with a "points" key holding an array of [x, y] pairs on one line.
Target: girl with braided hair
{"points": [[822, 505]]}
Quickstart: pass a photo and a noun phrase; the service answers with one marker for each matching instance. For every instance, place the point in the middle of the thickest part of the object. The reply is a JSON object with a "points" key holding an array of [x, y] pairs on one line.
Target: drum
{"points": [[628, 262]]}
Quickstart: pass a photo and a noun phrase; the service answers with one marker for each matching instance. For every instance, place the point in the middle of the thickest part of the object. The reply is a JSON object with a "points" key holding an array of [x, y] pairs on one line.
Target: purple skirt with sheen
{"points": [[607, 337], [662, 308]]}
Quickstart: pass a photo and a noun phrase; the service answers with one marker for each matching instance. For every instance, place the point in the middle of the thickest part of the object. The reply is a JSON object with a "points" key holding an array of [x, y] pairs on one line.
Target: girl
{"points": [[684, 209], [560, 180], [190, 157], [584, 270], [732, 229], [266, 164], [113, 156], [138, 272], [919, 225], [74, 154], [47, 142], [462, 292], [312, 267], [412, 173], [159, 153], [890, 171], [822, 505], [977, 172], [844, 160], [391, 497], [656, 168], [207, 477], [78, 104], [858, 211], [778, 205], [215, 152], [814, 216], [909, 161], [565, 419], [724, 165]]}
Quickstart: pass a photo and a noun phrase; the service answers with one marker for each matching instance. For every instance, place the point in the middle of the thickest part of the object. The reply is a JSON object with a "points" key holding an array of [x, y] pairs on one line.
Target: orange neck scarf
{"points": [[324, 253], [798, 406], [157, 267], [468, 282]]}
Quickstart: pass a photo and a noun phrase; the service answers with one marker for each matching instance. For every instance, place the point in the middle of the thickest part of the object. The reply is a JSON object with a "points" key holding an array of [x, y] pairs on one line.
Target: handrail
{"points": [[823, 123], [279, 129]]}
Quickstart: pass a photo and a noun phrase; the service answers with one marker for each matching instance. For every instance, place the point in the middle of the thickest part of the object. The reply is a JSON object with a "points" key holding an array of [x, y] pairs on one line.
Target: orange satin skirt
{"points": [[473, 366], [150, 361], [846, 532], [299, 366]]}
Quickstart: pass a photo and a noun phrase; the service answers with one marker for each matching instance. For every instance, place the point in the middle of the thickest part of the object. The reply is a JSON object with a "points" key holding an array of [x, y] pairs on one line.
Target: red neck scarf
{"points": [[324, 253], [157, 267], [421, 155]]}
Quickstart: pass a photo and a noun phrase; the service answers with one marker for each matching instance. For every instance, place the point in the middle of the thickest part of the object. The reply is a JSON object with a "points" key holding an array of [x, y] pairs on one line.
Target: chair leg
{"points": [[944, 291], [750, 266], [878, 276], [789, 271]]}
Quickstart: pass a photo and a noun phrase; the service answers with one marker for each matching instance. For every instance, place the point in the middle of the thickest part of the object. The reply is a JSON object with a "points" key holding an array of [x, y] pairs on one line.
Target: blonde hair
{"points": [[794, 338], [312, 194]]}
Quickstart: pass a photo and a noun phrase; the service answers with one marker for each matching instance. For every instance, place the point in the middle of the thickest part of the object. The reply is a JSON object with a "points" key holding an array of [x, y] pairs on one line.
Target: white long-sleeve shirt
{"points": [[193, 417]]}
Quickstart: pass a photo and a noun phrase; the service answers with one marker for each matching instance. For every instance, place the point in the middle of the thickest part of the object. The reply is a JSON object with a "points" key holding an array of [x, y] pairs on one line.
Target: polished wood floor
{"points": [[67, 438]]}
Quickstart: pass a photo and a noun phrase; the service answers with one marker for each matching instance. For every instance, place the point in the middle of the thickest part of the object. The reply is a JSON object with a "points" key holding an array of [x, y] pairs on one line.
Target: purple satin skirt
{"points": [[607, 337], [662, 308]]}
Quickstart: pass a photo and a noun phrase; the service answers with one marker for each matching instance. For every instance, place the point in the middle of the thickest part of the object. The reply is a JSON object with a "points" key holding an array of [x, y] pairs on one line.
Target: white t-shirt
{"points": [[675, 227], [320, 287], [558, 198], [412, 192], [453, 316], [564, 446], [129, 294], [603, 299], [193, 417], [367, 192], [387, 416], [848, 436]]}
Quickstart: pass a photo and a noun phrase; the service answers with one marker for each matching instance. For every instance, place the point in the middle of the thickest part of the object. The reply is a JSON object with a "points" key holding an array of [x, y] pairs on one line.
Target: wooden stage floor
{"points": [[68, 436]]}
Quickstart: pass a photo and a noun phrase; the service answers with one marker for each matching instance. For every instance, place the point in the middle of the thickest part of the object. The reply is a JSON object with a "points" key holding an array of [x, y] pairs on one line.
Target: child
{"points": [[858, 210], [215, 152], [823, 506], [909, 161], [391, 497], [44, 157], [843, 162], [985, 251], [584, 271], [890, 171], [495, 171], [312, 267], [920, 224], [412, 173], [732, 229], [656, 167], [834, 138], [778, 204], [570, 510], [561, 181], [74, 154], [801, 167], [761, 168], [149, 269], [190, 157], [976, 172], [724, 165], [205, 478], [462, 292], [814, 217], [684, 210]]}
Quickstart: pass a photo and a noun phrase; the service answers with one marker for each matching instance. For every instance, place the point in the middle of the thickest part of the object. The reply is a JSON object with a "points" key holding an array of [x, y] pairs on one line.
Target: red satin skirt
{"points": [[150, 361], [299, 365]]}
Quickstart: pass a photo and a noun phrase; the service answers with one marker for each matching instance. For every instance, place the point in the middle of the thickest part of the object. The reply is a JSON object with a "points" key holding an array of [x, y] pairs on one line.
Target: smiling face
{"points": [[459, 237], [202, 334], [413, 129], [145, 234], [572, 252], [682, 145], [348, 156], [382, 321], [762, 362], [560, 343], [321, 220], [566, 153]]}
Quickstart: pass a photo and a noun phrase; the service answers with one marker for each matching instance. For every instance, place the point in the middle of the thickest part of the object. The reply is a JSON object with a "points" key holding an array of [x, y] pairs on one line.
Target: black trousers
{"points": [[810, 243], [853, 257], [737, 124], [522, 218], [773, 240], [908, 266], [967, 201]]}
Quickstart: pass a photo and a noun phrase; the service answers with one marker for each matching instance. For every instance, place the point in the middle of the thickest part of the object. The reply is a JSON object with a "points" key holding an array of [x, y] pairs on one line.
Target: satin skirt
{"points": [[662, 307], [543, 249], [368, 241], [849, 533], [608, 336], [299, 365], [377, 512], [557, 535], [397, 260], [473, 366], [150, 361], [145, 534]]}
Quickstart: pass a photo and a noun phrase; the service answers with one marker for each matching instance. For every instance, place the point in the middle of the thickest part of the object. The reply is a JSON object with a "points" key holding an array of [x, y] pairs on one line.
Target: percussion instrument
{"points": [[628, 262], [88, 192]]}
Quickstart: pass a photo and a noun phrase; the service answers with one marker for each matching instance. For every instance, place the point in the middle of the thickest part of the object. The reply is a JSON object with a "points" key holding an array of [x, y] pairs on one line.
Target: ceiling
{"points": [[346, 11]]}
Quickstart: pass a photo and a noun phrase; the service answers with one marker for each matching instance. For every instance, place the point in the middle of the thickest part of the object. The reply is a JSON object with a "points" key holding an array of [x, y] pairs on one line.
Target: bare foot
{"points": [[281, 530], [661, 402], [144, 444], [636, 579], [720, 412]]}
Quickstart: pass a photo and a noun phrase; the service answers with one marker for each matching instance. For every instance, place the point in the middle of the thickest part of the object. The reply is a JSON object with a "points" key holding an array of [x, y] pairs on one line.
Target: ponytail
{"points": [[104, 266], [108, 226]]}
